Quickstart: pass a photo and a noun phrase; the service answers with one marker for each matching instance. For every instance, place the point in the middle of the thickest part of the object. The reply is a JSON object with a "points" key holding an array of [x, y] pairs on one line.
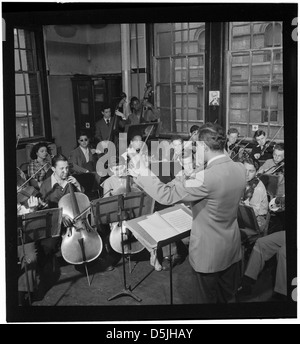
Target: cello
{"points": [[81, 243]]}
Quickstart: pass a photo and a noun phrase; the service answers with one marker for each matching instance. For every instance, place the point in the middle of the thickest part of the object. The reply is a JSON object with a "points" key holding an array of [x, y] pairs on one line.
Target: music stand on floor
{"points": [[35, 226], [117, 209]]}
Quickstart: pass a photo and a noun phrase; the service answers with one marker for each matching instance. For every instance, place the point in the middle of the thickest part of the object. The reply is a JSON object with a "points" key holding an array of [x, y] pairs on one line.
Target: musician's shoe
{"points": [[177, 259], [109, 268]]}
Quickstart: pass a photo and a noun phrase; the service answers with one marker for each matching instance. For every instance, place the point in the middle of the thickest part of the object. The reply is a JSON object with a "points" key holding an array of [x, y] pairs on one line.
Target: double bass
{"points": [[81, 243]]}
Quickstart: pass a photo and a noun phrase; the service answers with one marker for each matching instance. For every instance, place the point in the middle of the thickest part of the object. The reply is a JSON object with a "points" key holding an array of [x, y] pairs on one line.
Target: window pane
{"points": [[19, 84], [163, 71], [29, 114], [183, 103], [165, 44], [259, 71]]}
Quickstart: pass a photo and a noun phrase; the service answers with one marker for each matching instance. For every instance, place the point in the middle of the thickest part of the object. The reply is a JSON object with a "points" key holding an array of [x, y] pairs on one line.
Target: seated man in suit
{"points": [[82, 161]]}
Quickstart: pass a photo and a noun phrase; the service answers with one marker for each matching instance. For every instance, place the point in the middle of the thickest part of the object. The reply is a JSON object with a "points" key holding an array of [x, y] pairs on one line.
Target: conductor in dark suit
{"points": [[215, 244]]}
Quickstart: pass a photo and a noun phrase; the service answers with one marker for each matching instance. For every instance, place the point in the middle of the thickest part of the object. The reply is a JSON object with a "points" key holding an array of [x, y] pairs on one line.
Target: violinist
{"points": [[231, 145], [262, 150], [275, 166], [116, 183], [40, 157], [255, 194]]}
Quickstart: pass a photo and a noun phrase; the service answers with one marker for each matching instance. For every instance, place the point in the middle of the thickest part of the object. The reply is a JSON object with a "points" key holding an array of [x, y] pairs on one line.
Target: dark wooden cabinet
{"points": [[90, 93]]}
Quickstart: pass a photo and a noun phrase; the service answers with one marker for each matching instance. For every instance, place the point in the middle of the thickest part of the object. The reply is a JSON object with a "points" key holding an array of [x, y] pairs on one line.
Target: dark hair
{"points": [[258, 133], [215, 126], [57, 158], [232, 131], [135, 135], [133, 99], [105, 106], [251, 161], [194, 128], [83, 133], [212, 139], [279, 146], [36, 147]]}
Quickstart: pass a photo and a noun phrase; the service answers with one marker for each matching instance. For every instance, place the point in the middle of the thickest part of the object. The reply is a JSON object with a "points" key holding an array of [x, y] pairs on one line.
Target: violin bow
{"points": [[268, 144], [241, 150], [20, 187]]}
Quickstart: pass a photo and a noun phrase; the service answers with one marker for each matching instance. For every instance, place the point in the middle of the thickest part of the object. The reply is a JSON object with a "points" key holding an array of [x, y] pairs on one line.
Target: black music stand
{"points": [[35, 226], [117, 209]]}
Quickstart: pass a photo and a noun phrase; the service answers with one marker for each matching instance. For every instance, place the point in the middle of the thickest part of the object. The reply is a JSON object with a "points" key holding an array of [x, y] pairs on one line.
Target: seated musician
{"points": [[52, 190], [40, 160], [255, 194], [262, 150], [275, 166], [137, 146], [264, 249], [116, 184], [231, 146], [82, 162]]}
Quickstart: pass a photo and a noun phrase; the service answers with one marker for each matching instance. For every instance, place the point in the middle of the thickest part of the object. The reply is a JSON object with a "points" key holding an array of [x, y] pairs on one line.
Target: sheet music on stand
{"points": [[163, 227], [41, 224]]}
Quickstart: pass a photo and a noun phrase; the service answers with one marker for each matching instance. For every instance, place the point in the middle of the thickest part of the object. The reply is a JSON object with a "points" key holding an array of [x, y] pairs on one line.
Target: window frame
{"points": [[172, 83], [41, 68], [270, 126]]}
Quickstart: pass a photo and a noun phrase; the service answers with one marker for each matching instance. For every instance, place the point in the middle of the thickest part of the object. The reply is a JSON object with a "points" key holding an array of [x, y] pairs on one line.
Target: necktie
{"points": [[107, 122]]}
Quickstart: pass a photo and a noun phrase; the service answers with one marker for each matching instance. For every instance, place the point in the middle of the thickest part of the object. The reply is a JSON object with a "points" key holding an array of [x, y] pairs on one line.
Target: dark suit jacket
{"points": [[215, 242], [102, 130], [78, 162]]}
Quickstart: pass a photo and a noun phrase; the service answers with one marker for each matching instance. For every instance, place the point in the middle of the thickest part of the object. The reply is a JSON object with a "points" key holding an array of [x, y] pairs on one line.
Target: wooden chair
{"points": [[249, 228]]}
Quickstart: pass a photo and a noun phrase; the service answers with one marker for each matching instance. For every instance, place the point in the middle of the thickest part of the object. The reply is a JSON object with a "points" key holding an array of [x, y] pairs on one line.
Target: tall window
{"points": [[179, 75], [256, 82], [28, 87]]}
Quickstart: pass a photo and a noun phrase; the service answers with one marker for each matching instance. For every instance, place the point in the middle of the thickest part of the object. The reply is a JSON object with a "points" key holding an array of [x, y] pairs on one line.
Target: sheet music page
{"points": [[179, 219], [157, 227]]}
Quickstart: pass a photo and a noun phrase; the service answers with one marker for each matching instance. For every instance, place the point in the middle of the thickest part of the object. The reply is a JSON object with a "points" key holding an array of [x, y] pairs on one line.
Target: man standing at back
{"points": [[215, 243]]}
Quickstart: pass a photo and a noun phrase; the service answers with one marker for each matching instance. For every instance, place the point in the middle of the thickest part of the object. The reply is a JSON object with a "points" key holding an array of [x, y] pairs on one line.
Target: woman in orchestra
{"points": [[255, 194], [40, 157]]}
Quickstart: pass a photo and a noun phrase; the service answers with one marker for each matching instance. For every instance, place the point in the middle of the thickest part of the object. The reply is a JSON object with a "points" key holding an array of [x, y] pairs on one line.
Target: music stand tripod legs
{"points": [[126, 291]]}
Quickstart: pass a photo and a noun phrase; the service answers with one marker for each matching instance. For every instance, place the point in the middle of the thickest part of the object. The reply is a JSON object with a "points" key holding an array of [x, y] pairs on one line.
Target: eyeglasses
{"points": [[81, 140]]}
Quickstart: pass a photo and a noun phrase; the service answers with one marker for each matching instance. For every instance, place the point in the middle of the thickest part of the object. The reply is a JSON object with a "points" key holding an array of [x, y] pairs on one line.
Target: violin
{"points": [[81, 243], [277, 204], [250, 187], [267, 144]]}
